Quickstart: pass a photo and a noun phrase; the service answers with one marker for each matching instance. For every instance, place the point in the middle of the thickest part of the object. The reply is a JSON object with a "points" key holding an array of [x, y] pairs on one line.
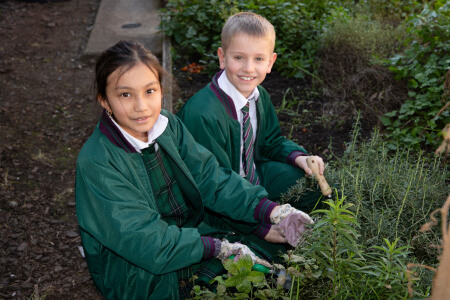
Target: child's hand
{"points": [[239, 250], [292, 222], [301, 162], [275, 235]]}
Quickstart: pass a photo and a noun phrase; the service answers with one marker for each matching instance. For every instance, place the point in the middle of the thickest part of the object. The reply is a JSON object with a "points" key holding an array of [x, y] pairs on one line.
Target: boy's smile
{"points": [[246, 61]]}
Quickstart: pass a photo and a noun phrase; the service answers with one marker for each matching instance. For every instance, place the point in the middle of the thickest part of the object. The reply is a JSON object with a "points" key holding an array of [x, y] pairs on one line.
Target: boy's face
{"points": [[246, 61]]}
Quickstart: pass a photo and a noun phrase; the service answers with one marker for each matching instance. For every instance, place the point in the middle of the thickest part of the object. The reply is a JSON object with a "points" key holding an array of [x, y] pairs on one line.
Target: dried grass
{"points": [[441, 288]]}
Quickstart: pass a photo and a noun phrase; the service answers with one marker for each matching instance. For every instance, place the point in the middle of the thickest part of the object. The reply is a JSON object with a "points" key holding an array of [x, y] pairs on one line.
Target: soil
{"points": [[47, 113]]}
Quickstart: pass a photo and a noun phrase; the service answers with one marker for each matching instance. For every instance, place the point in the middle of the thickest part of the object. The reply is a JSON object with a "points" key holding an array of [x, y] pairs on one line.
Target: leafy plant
{"points": [[195, 27], [242, 277], [423, 66]]}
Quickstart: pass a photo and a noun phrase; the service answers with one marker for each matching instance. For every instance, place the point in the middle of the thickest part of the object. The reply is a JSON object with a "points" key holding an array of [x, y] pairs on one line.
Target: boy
{"points": [[234, 118]]}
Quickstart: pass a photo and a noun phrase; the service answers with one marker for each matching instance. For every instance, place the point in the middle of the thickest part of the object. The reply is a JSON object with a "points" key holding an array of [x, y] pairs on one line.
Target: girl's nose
{"points": [[139, 104]]}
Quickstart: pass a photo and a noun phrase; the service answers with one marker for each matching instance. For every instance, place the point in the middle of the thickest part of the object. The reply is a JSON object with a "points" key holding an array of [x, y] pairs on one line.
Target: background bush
{"points": [[423, 66], [196, 26]]}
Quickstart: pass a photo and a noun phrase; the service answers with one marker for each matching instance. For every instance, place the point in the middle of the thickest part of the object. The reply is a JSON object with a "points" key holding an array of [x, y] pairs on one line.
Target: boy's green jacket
{"points": [[131, 252], [210, 115]]}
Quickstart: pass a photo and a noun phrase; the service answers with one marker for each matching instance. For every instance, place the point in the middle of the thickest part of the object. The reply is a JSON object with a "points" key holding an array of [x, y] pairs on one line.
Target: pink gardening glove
{"points": [[292, 222]]}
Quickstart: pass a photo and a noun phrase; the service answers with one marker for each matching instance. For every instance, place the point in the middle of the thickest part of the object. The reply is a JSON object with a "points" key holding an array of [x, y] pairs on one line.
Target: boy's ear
{"points": [[103, 102], [272, 60], [221, 55]]}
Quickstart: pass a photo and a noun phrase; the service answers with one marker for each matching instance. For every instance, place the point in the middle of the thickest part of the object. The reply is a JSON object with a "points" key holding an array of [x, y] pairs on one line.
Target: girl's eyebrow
{"points": [[124, 87]]}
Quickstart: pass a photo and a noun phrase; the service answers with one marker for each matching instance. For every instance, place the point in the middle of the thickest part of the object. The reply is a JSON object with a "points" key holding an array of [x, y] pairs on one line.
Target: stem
{"points": [[403, 204]]}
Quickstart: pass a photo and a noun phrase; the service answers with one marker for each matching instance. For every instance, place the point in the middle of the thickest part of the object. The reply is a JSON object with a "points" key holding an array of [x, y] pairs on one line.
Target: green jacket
{"points": [[131, 252], [210, 116]]}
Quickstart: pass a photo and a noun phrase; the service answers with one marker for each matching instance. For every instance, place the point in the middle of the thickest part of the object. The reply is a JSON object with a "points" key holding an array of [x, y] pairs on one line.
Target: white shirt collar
{"points": [[157, 129], [238, 99]]}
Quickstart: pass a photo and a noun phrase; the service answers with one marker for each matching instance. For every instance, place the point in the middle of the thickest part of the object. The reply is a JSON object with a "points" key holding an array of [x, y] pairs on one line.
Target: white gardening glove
{"points": [[291, 221], [239, 250]]}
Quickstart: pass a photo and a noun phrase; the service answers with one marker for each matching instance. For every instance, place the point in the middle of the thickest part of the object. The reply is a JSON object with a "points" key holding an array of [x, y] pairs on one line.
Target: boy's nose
{"points": [[249, 67]]}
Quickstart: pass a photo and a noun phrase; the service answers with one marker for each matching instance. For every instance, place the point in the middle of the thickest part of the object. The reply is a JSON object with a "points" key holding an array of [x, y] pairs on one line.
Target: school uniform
{"points": [[147, 215], [213, 119]]}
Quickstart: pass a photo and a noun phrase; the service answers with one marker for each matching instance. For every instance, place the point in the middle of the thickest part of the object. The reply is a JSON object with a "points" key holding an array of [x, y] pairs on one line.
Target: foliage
{"points": [[334, 244], [423, 66], [390, 9], [347, 270], [393, 193], [195, 27]]}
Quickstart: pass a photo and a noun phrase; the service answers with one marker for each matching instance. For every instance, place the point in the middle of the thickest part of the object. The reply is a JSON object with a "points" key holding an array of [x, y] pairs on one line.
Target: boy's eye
{"points": [[259, 59], [238, 57]]}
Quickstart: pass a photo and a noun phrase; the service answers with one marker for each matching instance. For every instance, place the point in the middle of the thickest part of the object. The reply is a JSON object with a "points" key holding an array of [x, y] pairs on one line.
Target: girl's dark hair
{"points": [[124, 55]]}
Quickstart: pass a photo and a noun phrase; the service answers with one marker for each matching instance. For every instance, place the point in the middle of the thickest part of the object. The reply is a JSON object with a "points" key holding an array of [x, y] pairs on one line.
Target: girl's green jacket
{"points": [[131, 252]]}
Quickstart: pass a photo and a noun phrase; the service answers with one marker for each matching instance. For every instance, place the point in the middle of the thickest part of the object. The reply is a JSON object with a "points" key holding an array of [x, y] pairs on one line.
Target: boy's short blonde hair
{"points": [[248, 23]]}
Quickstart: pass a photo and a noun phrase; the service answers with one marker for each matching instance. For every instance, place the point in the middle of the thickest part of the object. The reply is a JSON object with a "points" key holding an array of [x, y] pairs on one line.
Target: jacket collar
{"points": [[226, 101], [108, 128]]}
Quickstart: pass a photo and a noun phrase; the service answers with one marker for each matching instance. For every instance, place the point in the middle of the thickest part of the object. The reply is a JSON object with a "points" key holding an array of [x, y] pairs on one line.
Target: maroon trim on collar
{"points": [[226, 100], [108, 128]]}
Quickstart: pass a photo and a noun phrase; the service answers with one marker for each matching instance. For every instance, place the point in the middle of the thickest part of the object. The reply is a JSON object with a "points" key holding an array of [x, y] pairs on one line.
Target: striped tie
{"points": [[247, 154]]}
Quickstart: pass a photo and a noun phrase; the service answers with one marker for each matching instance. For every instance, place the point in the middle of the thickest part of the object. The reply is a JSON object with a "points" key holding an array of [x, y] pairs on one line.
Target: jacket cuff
{"points": [[262, 230], [263, 210], [291, 157], [210, 247]]}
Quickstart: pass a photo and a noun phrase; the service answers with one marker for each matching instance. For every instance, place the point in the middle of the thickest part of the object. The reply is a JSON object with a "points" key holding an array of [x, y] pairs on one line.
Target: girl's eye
{"points": [[125, 95], [150, 91]]}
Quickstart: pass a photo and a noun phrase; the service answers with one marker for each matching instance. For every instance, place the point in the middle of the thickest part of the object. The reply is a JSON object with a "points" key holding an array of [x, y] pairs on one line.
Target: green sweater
{"points": [[210, 116], [131, 252]]}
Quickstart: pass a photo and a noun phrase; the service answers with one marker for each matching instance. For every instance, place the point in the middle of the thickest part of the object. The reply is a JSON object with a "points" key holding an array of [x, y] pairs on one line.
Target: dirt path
{"points": [[47, 112]]}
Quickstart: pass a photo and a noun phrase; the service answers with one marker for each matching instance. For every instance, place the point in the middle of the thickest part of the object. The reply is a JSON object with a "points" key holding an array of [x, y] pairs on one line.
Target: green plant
{"points": [[195, 27], [334, 244], [389, 189], [423, 66], [340, 266], [390, 9]]}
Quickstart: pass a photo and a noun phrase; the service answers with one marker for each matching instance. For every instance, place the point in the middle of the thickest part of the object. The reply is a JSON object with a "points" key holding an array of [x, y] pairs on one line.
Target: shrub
{"points": [[423, 67], [363, 241], [195, 27]]}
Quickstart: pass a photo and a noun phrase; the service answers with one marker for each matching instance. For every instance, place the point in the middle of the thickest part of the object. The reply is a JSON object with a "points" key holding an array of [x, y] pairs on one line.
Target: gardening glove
{"points": [[292, 222], [275, 235], [239, 250]]}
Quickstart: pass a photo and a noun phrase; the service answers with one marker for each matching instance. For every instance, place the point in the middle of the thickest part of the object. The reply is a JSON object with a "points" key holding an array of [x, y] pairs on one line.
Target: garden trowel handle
{"points": [[314, 166]]}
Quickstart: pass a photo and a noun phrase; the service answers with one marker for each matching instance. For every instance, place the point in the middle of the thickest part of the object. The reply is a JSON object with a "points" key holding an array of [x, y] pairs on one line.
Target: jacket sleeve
{"points": [[272, 145], [222, 190], [113, 211]]}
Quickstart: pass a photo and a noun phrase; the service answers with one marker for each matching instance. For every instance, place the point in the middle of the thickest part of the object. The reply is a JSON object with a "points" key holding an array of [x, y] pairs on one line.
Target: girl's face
{"points": [[134, 98]]}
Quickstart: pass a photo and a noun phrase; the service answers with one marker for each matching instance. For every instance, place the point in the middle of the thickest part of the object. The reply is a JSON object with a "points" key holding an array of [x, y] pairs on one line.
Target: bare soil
{"points": [[47, 112]]}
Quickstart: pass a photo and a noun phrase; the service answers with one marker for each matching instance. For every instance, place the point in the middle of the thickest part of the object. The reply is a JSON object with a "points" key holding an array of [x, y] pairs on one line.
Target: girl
{"points": [[151, 202]]}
